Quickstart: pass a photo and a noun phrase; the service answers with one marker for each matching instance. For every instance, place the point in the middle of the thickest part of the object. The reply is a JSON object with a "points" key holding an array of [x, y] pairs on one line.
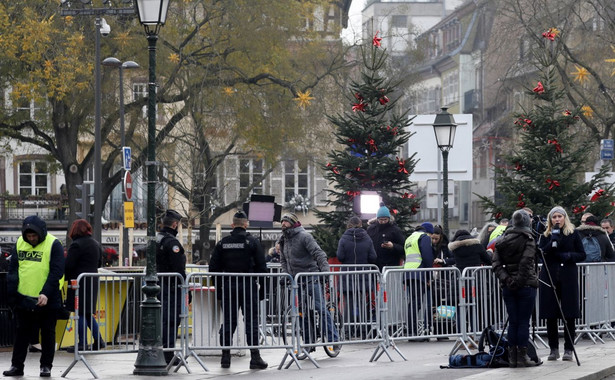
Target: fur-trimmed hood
{"points": [[462, 243], [586, 228]]}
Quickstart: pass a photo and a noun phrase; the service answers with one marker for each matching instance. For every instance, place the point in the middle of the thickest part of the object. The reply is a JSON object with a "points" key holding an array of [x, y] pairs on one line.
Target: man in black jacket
{"points": [[239, 253], [33, 288], [170, 258], [388, 239]]}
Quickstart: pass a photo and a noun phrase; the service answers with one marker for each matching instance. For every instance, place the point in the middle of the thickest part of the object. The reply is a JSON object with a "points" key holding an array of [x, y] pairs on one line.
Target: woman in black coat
{"points": [[562, 248], [514, 262], [468, 251], [84, 256], [442, 255]]}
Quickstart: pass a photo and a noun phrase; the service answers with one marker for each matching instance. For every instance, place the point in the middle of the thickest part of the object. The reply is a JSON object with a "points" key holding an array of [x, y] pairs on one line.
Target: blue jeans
{"points": [[313, 289], [519, 306], [83, 323]]}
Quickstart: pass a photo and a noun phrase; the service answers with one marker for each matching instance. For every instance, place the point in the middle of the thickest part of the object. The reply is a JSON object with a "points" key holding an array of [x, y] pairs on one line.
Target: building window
{"points": [[251, 171], [33, 178], [399, 21], [295, 179]]}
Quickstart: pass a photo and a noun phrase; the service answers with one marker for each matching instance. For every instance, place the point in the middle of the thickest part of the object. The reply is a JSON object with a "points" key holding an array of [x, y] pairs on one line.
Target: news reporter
{"points": [[562, 248]]}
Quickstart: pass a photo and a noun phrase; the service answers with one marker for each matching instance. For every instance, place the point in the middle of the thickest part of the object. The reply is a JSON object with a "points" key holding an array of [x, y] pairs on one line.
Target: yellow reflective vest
{"points": [[413, 252], [33, 265]]}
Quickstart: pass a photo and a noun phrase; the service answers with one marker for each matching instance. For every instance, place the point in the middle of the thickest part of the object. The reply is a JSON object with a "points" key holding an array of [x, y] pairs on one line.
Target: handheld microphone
{"points": [[555, 231]]}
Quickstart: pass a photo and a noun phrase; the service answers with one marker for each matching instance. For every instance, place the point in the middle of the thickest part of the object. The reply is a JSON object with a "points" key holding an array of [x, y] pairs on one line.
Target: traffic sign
{"points": [[129, 214], [606, 154], [126, 157], [128, 186], [607, 144]]}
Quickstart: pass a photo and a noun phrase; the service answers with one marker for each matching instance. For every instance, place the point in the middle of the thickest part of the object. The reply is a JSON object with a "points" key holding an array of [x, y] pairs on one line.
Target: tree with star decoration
{"points": [[371, 133], [546, 166]]}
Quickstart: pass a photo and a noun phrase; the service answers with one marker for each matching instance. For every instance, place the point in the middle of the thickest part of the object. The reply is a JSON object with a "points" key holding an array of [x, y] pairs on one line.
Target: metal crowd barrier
{"points": [[349, 305]]}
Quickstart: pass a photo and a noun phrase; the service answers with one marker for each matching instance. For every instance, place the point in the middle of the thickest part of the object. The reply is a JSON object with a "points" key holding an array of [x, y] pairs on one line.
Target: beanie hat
{"points": [[428, 227], [521, 219], [592, 221], [558, 209], [383, 212], [290, 218], [462, 235]]}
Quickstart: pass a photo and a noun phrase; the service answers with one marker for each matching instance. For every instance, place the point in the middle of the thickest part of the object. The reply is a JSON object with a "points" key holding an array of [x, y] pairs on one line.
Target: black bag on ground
{"points": [[489, 339]]}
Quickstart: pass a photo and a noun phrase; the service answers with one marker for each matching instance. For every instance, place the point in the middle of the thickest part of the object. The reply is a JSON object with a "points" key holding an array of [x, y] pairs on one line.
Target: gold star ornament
{"points": [[228, 91], [303, 99], [587, 111], [581, 75]]}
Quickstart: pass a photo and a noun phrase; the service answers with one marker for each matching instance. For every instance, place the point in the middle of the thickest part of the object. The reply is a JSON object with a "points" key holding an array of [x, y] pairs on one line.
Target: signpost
{"points": [[128, 185]]}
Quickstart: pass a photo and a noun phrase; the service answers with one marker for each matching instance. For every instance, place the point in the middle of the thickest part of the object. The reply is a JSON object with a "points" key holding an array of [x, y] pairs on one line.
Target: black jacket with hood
{"points": [[51, 288]]}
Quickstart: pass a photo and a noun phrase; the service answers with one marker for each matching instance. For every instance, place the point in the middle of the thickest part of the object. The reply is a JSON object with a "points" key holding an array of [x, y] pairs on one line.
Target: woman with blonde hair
{"points": [[562, 248]]}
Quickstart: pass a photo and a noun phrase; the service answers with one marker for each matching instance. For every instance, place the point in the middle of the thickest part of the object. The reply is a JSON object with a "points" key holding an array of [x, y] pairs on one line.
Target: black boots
{"points": [[512, 356], [225, 362], [256, 362], [13, 371], [523, 360]]}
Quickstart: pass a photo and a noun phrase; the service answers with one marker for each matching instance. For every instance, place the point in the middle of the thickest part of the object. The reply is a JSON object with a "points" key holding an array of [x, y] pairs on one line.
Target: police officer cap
{"points": [[240, 215], [173, 214]]}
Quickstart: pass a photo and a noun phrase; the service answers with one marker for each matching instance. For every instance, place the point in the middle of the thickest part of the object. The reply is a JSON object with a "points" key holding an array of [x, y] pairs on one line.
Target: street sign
{"points": [[126, 157], [606, 154], [607, 144], [128, 186], [129, 214]]}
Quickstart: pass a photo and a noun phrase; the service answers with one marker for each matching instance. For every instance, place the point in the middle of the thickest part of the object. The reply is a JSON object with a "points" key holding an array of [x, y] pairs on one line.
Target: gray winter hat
{"points": [[521, 219]]}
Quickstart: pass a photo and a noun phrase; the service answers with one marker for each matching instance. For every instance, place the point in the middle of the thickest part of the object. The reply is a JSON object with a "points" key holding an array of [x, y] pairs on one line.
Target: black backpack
{"points": [[489, 339]]}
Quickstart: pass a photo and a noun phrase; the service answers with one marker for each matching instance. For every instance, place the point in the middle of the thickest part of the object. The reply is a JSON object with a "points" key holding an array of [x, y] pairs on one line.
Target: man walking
{"points": [[299, 252], [170, 258], [35, 270], [239, 253]]}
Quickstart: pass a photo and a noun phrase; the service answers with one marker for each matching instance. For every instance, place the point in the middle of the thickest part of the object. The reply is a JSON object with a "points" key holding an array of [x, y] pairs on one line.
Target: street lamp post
{"points": [[444, 127], [114, 62], [150, 359]]}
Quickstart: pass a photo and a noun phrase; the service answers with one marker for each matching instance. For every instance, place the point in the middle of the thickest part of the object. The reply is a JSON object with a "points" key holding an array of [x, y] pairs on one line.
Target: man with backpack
{"points": [[596, 242]]}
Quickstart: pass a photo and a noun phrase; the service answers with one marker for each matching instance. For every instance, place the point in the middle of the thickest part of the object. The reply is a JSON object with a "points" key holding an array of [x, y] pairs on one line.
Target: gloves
{"points": [[511, 283], [565, 257]]}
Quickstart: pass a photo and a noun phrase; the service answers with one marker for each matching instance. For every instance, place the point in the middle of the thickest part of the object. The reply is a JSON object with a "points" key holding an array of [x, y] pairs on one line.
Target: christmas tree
{"points": [[547, 164], [372, 134]]}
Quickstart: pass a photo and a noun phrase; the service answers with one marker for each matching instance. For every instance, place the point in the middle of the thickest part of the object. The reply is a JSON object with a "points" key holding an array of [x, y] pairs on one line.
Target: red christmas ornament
{"points": [[558, 147], [552, 183], [539, 89], [402, 166], [497, 215], [518, 166], [358, 97], [359, 107], [579, 209], [597, 195], [376, 40], [371, 144], [408, 196], [384, 100], [352, 194], [395, 211], [520, 203]]}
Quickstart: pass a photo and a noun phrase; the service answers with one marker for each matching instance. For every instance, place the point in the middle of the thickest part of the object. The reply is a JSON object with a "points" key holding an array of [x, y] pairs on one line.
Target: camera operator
{"points": [[559, 293]]}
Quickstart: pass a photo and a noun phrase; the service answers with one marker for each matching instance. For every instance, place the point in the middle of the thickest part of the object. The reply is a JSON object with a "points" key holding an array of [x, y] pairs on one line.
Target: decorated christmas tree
{"points": [[547, 164], [371, 134]]}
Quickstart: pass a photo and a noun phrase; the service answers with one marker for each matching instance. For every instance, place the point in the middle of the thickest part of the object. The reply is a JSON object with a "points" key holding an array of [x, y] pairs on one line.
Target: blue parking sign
{"points": [[127, 157]]}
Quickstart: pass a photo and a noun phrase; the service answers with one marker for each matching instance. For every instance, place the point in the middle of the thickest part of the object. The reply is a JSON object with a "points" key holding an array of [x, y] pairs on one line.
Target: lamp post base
{"points": [[150, 362]]}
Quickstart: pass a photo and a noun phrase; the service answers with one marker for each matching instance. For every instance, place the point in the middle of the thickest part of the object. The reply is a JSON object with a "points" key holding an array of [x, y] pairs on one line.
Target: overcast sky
{"points": [[353, 32]]}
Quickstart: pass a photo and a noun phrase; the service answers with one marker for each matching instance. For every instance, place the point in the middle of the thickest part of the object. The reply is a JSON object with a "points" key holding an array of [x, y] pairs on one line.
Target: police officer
{"points": [[239, 253], [170, 257]]}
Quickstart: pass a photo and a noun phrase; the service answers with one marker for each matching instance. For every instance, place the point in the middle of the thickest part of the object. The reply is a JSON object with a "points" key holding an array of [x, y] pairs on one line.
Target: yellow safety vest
{"points": [[499, 230], [413, 252], [33, 265]]}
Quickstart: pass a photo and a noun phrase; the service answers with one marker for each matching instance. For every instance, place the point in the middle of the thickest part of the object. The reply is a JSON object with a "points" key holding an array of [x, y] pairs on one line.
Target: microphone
{"points": [[555, 231]]}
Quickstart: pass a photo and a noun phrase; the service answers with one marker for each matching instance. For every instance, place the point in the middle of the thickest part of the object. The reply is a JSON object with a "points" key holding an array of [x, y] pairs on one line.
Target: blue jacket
{"points": [[356, 247]]}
